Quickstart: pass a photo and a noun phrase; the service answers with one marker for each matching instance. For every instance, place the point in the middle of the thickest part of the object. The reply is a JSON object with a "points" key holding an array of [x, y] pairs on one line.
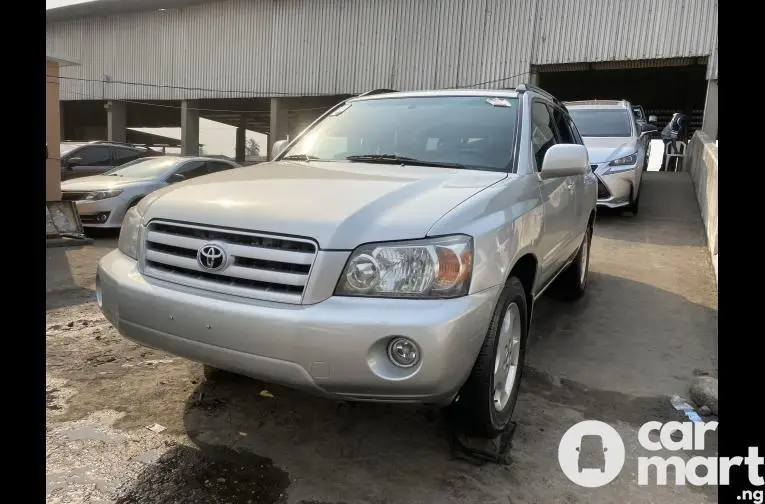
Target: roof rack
{"points": [[126, 144], [524, 87], [376, 92]]}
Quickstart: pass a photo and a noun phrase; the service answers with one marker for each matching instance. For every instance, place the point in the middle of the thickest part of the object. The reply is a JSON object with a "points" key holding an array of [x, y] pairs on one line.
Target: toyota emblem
{"points": [[211, 257]]}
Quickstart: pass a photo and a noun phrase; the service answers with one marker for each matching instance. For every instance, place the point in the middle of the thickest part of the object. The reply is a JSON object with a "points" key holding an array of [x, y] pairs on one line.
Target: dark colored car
{"points": [[81, 159], [592, 453]]}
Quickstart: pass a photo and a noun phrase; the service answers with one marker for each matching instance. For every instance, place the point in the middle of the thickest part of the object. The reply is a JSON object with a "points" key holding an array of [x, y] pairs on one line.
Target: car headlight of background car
{"points": [[623, 163], [99, 195], [433, 268], [129, 233]]}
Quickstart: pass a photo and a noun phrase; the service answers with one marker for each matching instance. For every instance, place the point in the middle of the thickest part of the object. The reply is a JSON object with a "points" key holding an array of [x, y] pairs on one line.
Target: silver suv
{"points": [[391, 252]]}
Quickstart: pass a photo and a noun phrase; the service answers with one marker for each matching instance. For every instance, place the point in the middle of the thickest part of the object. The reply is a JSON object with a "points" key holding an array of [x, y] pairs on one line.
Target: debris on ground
{"points": [[704, 392], [681, 404], [266, 393], [154, 362], [156, 428]]}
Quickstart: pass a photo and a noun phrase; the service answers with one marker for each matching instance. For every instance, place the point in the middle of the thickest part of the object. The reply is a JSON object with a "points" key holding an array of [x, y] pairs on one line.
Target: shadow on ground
{"points": [[668, 214], [379, 453]]}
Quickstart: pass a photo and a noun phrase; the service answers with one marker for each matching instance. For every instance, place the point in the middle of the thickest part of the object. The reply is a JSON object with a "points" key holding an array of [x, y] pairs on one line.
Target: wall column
{"points": [[189, 129], [534, 77], [241, 139], [116, 121], [279, 127], [711, 115], [52, 133]]}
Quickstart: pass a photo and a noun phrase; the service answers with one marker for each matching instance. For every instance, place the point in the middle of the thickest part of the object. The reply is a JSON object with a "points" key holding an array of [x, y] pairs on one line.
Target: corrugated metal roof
{"points": [[245, 48]]}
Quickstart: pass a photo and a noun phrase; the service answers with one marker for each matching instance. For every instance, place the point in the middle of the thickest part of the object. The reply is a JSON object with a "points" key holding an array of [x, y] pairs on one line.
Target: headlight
{"points": [[624, 161], [433, 268], [95, 196], [131, 228]]}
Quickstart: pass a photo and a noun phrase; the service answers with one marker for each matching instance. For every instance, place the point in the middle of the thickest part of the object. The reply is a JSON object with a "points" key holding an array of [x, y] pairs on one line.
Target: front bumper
{"points": [[337, 347], [106, 213], [615, 189]]}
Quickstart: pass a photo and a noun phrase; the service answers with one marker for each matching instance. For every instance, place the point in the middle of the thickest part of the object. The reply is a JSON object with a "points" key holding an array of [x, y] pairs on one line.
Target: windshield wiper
{"points": [[394, 159], [299, 157]]}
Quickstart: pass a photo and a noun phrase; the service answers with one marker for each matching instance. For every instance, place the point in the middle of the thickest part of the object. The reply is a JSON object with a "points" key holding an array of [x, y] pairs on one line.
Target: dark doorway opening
{"points": [[661, 90]]}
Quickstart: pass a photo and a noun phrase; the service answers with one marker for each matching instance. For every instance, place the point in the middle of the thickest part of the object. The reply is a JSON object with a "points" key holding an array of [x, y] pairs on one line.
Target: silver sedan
{"points": [[102, 200], [617, 145]]}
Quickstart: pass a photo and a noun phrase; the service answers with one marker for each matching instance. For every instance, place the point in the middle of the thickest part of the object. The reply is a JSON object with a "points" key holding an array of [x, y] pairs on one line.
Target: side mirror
{"points": [[565, 160], [73, 162], [175, 177], [653, 119], [277, 148]]}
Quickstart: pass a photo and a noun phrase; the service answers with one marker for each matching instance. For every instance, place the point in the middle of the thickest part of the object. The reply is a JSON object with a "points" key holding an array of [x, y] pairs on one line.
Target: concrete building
{"points": [[273, 66]]}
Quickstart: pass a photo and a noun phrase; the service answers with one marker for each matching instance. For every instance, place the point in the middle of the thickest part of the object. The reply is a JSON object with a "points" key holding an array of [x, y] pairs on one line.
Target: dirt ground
{"points": [[647, 324]]}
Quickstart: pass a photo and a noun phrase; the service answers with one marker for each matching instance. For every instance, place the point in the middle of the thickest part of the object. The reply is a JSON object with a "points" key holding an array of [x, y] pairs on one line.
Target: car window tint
{"points": [[542, 131], [565, 135], [123, 155], [94, 156], [193, 169], [216, 166]]}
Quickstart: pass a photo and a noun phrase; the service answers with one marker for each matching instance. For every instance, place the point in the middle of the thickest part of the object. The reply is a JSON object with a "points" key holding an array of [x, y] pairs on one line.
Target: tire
{"points": [[475, 405], [633, 207], [571, 284]]}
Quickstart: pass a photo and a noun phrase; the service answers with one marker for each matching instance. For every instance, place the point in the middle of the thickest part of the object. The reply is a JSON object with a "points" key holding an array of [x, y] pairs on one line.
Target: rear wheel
{"points": [[487, 400]]}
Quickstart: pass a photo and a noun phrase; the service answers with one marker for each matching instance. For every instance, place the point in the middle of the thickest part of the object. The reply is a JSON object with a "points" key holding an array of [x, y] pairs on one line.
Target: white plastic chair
{"points": [[674, 150]]}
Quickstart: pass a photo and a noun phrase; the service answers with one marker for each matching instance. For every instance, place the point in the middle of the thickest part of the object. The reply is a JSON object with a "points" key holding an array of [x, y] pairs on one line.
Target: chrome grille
{"points": [[260, 266]]}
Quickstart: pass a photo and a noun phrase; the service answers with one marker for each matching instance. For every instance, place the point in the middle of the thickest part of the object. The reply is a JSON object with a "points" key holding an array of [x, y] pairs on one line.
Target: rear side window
{"points": [[122, 155], [542, 131], [193, 169], [215, 166], [94, 156]]}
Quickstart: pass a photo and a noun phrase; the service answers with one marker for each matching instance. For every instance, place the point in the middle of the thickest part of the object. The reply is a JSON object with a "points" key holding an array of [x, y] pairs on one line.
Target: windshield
{"points": [[472, 131], [143, 168], [602, 122], [68, 147]]}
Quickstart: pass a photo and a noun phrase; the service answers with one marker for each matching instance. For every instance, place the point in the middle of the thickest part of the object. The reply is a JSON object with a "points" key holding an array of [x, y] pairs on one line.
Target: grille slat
{"points": [[73, 195], [260, 266]]}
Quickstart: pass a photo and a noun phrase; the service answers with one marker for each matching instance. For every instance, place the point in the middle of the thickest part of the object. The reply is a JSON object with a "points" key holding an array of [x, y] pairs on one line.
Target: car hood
{"points": [[602, 149], [99, 183], [340, 204]]}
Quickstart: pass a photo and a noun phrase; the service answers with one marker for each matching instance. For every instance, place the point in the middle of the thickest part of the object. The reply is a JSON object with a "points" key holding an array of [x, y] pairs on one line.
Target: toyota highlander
{"points": [[392, 251]]}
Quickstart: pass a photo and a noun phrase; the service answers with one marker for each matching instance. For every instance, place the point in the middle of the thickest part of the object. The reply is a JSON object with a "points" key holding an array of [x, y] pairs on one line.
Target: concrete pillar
{"points": [[189, 129], [711, 115], [116, 121], [534, 77], [241, 139], [52, 133], [279, 128]]}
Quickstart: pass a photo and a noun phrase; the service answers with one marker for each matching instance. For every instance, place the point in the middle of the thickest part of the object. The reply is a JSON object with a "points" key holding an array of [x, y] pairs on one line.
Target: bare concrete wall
{"points": [[52, 133], [702, 164]]}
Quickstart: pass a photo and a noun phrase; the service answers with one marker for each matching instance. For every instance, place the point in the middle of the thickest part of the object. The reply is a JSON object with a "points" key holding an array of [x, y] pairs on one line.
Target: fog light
{"points": [[102, 217], [403, 352]]}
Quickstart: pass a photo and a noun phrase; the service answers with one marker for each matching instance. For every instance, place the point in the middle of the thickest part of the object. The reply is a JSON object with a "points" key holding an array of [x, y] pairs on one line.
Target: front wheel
{"points": [[572, 283], [487, 400]]}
